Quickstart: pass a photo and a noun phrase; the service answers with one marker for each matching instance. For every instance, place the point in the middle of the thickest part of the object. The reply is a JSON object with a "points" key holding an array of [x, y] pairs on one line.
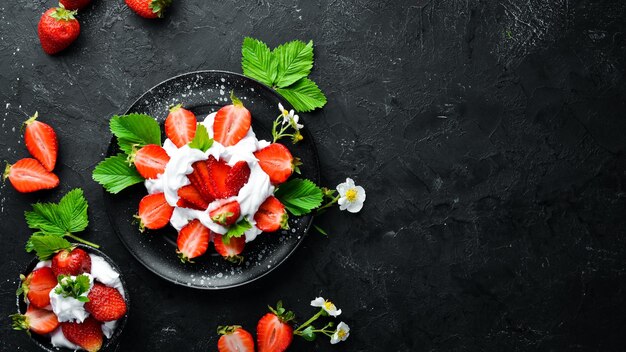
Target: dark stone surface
{"points": [[489, 136]]}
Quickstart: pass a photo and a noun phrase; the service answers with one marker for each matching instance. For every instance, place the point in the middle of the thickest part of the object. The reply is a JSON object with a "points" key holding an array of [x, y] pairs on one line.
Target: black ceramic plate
{"points": [[110, 345], [205, 92]]}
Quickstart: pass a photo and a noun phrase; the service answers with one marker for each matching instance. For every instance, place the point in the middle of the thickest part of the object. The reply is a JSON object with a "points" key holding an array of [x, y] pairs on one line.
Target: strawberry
{"points": [[227, 214], [193, 240], [274, 332], [74, 4], [105, 303], [41, 142], [180, 125], [277, 162], [234, 339], [28, 175], [37, 286], [237, 177], [232, 122], [154, 212], [230, 249], [57, 29], [218, 172], [71, 262], [199, 178], [87, 334], [150, 160], [39, 321], [149, 8], [271, 216], [189, 195]]}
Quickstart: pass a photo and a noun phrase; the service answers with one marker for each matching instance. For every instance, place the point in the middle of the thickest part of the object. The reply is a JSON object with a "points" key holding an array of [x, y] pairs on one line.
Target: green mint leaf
{"points": [[308, 333], [299, 196], [72, 211], [74, 287], [295, 61], [114, 174], [135, 129], [258, 62], [46, 246], [304, 95], [237, 230], [202, 140]]}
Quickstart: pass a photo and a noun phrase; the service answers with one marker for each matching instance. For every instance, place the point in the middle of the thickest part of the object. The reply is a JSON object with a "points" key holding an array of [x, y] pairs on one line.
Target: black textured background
{"points": [[489, 136]]}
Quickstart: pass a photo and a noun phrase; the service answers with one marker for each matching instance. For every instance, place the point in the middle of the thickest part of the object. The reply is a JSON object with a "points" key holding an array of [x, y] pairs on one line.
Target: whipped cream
{"points": [[250, 197], [59, 340], [102, 272], [69, 308]]}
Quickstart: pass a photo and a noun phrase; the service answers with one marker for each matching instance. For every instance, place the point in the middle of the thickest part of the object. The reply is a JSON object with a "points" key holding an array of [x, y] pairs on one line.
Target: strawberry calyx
{"points": [[236, 101], [221, 218], [20, 322], [25, 286], [176, 107], [283, 315], [183, 258], [30, 120], [235, 259], [159, 6], [62, 14], [295, 165], [7, 171], [227, 329], [142, 226], [284, 221]]}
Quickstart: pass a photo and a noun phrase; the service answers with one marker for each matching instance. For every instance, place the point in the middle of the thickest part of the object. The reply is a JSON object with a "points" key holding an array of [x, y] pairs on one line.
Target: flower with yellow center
{"points": [[351, 196], [341, 334], [327, 306]]}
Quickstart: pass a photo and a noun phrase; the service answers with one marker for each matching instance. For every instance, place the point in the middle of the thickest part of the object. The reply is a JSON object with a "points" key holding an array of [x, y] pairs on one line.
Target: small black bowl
{"points": [[110, 344]]}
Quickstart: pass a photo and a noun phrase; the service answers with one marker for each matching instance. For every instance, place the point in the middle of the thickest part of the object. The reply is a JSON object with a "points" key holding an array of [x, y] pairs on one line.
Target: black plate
{"points": [[204, 92], [109, 345]]}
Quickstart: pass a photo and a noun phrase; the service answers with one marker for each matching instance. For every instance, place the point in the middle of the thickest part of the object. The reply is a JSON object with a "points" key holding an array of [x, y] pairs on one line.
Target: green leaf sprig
{"points": [[299, 196], [237, 230], [285, 69], [74, 287], [201, 140]]}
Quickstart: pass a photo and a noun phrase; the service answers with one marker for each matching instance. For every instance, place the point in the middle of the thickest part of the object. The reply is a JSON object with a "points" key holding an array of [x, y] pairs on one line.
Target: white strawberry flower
{"points": [[351, 197], [290, 117], [327, 306], [341, 334]]}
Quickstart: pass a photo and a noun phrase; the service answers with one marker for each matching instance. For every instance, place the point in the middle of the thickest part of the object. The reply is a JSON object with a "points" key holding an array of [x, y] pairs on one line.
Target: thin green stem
{"points": [[76, 238], [308, 322], [332, 202]]}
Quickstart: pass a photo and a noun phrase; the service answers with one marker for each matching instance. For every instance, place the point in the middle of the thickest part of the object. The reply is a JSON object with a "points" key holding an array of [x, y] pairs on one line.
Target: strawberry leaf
{"points": [[258, 62], [76, 287], [46, 246], [68, 216], [299, 196], [237, 230], [295, 61], [114, 174], [135, 130], [202, 140], [304, 95]]}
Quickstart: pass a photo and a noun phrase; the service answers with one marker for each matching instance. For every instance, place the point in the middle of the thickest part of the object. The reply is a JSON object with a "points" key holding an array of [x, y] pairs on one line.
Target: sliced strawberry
{"points": [[271, 216], [193, 240], [183, 204], [237, 177], [154, 212], [218, 172], [226, 214], [277, 162], [87, 334], [28, 175], [274, 332], [199, 178], [41, 142], [151, 160], [230, 249], [71, 262], [105, 303], [231, 123], [191, 196], [180, 125], [39, 321], [234, 339], [37, 286]]}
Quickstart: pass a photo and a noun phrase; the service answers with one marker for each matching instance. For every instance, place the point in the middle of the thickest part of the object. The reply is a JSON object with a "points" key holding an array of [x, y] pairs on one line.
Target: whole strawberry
{"points": [[74, 4], [58, 28], [149, 8], [105, 303]]}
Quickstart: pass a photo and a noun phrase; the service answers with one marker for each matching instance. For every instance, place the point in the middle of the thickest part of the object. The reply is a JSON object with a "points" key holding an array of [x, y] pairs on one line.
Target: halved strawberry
{"points": [[105, 303], [154, 212], [271, 216], [71, 262], [87, 334], [191, 196], [37, 286], [218, 172], [39, 321], [234, 339], [193, 240], [28, 175], [199, 178], [277, 162], [227, 214], [230, 249], [180, 125], [274, 332], [237, 177], [41, 142], [151, 160], [231, 123]]}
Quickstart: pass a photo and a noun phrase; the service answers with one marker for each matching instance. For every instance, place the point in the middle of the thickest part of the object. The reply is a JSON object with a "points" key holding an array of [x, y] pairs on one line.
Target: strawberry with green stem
{"points": [[57, 29], [149, 8], [274, 330]]}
